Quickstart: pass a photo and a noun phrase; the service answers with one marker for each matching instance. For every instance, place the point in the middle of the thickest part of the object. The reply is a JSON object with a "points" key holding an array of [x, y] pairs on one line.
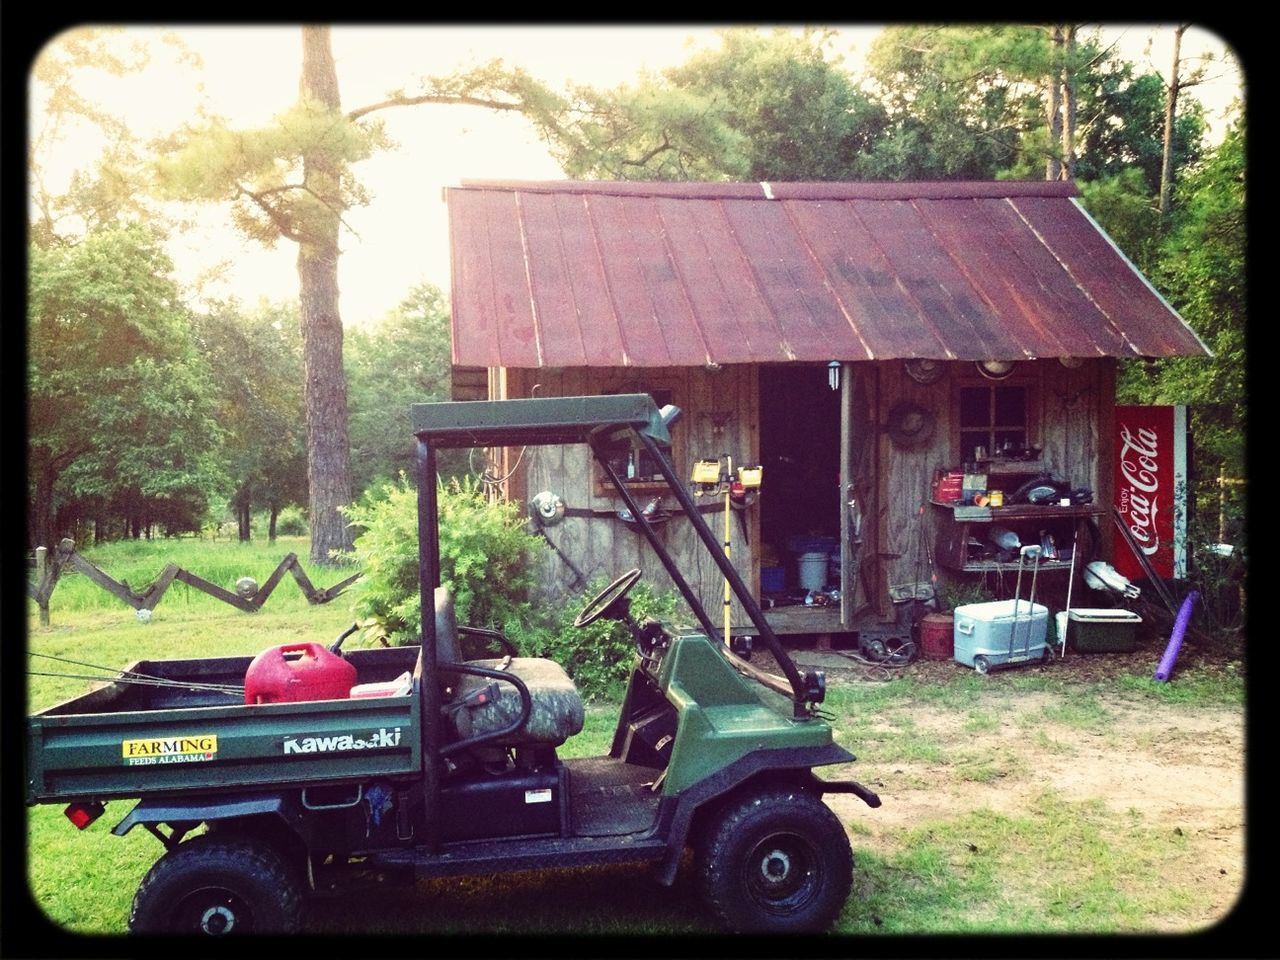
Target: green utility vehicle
{"points": [[445, 765]]}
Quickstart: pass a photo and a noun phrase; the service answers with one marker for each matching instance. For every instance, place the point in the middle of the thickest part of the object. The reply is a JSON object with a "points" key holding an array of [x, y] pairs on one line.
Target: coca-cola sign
{"points": [[1150, 488]]}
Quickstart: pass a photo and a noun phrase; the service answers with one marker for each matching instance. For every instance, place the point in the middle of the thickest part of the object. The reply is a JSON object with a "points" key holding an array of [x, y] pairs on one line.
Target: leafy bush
{"points": [[486, 558], [600, 655], [292, 522]]}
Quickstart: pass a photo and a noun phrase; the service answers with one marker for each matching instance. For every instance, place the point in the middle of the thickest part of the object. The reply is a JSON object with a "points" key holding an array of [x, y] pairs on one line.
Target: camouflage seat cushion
{"points": [[556, 713]]}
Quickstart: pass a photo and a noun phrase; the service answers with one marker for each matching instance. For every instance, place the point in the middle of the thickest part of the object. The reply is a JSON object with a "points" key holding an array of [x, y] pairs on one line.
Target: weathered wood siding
{"points": [[720, 416], [1068, 417]]}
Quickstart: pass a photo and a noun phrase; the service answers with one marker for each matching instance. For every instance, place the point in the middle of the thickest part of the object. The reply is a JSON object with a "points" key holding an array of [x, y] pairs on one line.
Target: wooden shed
{"points": [[852, 339]]}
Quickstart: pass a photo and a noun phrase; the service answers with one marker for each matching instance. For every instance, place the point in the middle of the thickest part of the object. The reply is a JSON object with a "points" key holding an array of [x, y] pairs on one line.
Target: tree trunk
{"points": [[1170, 115], [41, 528], [271, 524], [1053, 162], [325, 390], [244, 516], [1069, 105]]}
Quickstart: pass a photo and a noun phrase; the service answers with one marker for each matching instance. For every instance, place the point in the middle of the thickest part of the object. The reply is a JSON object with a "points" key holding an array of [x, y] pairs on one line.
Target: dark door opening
{"points": [[800, 501]]}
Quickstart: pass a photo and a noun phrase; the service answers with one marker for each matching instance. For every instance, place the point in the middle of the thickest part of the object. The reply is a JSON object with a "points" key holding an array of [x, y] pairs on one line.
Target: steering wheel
{"points": [[602, 602]]}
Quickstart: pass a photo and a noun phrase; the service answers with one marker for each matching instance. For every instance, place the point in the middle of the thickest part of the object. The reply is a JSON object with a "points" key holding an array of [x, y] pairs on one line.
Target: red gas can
{"points": [[298, 671]]}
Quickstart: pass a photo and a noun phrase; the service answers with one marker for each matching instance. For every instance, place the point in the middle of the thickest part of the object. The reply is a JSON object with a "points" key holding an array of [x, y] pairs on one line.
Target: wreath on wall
{"points": [[910, 426]]}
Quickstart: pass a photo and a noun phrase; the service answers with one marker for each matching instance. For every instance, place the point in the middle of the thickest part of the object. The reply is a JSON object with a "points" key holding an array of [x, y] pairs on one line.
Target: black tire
{"points": [[216, 886], [776, 861]]}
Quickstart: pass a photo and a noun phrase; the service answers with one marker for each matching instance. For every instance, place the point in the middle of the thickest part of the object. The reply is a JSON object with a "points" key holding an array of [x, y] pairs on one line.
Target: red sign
{"points": [[1151, 488]]}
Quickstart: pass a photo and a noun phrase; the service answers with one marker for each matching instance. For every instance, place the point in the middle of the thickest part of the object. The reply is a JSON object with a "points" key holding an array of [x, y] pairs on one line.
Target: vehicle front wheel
{"points": [[776, 861], [218, 887]]}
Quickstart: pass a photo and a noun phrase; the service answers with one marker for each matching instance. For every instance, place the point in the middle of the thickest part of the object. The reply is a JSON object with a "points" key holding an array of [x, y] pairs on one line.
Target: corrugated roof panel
{"points": [[884, 318], [592, 314], [594, 273], [1051, 294], [1110, 279], [631, 282], [986, 250], [551, 282], [951, 312], [812, 322], [736, 325]]}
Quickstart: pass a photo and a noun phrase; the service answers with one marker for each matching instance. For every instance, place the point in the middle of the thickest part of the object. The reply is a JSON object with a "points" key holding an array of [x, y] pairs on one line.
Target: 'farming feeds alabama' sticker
{"points": [[374, 740], [193, 749]]}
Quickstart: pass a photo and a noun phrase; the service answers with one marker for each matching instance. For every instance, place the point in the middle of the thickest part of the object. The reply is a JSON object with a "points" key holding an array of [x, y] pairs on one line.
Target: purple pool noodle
{"points": [[1175, 639]]}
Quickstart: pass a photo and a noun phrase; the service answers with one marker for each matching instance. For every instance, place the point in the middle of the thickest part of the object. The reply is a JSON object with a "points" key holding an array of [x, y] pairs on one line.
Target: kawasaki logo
{"points": [[375, 740]]}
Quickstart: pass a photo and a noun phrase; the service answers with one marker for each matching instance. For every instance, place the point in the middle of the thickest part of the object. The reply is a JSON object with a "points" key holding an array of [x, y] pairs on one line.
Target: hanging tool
{"points": [[717, 478]]}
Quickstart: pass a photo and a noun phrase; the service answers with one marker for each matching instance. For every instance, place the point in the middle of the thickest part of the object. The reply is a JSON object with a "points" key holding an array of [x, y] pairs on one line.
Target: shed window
{"points": [[637, 468], [993, 417]]}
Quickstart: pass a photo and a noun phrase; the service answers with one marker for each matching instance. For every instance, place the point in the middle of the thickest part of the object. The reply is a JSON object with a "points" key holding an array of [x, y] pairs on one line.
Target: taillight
{"points": [[83, 814]]}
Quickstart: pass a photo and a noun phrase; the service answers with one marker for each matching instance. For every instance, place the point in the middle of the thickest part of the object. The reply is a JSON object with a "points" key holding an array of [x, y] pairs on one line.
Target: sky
{"points": [[250, 73]]}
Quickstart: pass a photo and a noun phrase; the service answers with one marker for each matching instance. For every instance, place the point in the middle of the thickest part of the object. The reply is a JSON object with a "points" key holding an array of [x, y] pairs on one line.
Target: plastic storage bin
{"points": [[1103, 630], [989, 634]]}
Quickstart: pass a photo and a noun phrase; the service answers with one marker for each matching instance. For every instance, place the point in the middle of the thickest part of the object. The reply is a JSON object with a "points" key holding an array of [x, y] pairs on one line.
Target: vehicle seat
{"points": [[479, 705]]}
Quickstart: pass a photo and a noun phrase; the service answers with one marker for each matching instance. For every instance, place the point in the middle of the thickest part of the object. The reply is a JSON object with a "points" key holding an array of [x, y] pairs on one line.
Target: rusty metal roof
{"points": [[600, 273]]}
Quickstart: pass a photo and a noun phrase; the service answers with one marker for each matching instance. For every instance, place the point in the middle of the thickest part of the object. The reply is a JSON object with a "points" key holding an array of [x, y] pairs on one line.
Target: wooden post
{"points": [[42, 599]]}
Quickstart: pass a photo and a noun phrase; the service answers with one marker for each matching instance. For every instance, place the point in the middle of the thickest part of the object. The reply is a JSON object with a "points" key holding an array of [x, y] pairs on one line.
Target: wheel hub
{"points": [[775, 867], [217, 920]]}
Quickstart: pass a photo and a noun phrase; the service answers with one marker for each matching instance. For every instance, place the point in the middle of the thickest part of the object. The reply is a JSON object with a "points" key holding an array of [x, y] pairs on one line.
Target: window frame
{"points": [[663, 392], [1032, 429]]}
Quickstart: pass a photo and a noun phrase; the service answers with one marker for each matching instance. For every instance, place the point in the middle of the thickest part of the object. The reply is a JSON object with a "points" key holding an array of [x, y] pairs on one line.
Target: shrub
{"points": [[486, 558], [600, 655], [292, 522]]}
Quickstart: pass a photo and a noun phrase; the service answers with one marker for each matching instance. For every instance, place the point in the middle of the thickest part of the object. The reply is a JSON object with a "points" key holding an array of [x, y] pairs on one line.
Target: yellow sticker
{"points": [[186, 749]]}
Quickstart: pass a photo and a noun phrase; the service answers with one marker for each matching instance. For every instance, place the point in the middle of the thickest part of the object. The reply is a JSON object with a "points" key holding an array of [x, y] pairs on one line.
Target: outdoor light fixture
{"points": [[995, 369], [833, 374], [1071, 363]]}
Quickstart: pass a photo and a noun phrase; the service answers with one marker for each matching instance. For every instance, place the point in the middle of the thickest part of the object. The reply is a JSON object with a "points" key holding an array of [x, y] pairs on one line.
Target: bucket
{"points": [[937, 637], [813, 570]]}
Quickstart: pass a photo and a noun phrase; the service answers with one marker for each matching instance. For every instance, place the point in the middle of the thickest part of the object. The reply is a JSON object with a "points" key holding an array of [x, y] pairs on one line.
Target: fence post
{"points": [[42, 571]]}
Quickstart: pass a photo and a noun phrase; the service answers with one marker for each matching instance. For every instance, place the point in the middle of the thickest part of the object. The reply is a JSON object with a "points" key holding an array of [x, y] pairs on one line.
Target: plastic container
{"points": [[937, 636], [294, 672], [813, 570], [1104, 631], [990, 635], [773, 579]]}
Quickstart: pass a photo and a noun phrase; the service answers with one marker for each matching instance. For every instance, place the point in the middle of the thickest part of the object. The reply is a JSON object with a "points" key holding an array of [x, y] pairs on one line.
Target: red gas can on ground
{"points": [[298, 671]]}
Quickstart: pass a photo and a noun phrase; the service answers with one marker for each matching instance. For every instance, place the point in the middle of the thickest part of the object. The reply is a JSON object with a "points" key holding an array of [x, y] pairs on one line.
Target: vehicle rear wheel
{"points": [[218, 887], [776, 861]]}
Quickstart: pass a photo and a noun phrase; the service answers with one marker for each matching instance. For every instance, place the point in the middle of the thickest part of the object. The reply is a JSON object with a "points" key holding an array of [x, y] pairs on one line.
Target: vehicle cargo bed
{"points": [[128, 740]]}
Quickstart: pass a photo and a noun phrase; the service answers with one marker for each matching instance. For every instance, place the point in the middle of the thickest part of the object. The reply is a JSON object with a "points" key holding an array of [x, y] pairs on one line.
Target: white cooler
{"points": [[989, 635]]}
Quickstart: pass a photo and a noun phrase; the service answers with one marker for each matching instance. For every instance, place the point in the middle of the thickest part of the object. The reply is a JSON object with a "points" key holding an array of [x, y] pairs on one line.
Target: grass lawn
{"points": [[1057, 863]]}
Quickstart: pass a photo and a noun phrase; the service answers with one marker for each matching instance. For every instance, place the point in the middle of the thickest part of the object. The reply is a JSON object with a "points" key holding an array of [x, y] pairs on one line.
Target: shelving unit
{"points": [[960, 524]]}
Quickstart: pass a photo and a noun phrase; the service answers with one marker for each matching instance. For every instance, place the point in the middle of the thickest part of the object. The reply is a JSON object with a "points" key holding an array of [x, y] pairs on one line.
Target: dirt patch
{"points": [[1163, 768]]}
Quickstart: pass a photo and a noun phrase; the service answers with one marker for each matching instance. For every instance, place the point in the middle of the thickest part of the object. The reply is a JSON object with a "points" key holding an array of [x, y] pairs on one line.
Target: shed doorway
{"points": [[800, 500]]}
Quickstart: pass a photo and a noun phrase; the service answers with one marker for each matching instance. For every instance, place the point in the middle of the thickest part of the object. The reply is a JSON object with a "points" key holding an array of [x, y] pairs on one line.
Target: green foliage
{"points": [[760, 106], [292, 522], [259, 171], [121, 413], [955, 592], [1201, 268], [1126, 206], [486, 559], [599, 656], [256, 358], [404, 360]]}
